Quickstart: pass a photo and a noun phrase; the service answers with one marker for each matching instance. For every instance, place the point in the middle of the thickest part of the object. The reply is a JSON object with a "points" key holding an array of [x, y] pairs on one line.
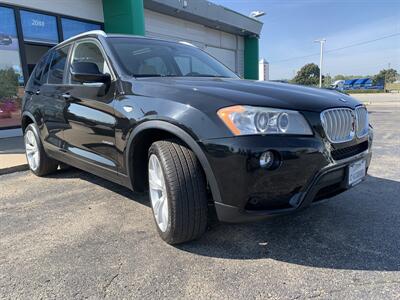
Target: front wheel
{"points": [[177, 190], [38, 161]]}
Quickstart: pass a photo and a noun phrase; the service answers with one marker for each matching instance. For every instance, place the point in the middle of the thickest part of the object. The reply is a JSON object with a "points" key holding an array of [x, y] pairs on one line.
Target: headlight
{"points": [[242, 120]]}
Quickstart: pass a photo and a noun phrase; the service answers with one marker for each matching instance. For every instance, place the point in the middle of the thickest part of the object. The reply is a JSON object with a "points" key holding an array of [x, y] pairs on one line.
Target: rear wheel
{"points": [[177, 190], [38, 161]]}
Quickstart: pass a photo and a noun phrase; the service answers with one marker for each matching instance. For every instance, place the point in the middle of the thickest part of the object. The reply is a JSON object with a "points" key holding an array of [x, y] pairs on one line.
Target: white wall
{"points": [[85, 9], [263, 70], [226, 47]]}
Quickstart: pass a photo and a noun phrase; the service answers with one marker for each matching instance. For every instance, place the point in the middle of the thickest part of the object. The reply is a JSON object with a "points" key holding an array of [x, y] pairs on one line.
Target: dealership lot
{"points": [[73, 235]]}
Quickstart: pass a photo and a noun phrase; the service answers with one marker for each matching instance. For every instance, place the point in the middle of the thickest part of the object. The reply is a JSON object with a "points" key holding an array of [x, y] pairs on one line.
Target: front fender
{"points": [[186, 138]]}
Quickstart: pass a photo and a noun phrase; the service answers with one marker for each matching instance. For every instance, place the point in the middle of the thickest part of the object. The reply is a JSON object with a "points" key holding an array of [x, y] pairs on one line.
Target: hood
{"points": [[214, 93]]}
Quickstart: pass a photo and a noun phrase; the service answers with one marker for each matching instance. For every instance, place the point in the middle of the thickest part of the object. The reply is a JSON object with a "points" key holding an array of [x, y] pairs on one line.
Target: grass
{"points": [[364, 91]]}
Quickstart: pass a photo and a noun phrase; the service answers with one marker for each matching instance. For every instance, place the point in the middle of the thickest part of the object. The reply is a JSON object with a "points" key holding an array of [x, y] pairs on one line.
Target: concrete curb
{"points": [[14, 169]]}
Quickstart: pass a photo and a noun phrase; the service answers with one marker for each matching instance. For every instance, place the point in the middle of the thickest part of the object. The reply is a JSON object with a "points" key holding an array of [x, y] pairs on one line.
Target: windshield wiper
{"points": [[153, 75], [207, 75]]}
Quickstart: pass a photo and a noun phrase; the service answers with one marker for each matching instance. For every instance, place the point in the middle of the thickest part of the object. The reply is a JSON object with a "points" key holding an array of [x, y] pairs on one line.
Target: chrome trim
{"points": [[339, 124], [87, 33], [361, 118]]}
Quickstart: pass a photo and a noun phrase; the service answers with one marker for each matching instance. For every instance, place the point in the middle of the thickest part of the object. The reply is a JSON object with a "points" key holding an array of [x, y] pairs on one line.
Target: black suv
{"points": [[165, 116]]}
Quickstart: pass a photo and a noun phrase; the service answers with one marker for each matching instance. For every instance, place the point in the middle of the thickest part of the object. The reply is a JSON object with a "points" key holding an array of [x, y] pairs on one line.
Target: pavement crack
{"points": [[111, 280]]}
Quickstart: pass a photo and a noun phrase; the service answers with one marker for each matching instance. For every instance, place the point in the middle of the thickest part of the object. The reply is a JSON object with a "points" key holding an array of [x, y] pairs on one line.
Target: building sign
{"points": [[39, 27], [73, 27]]}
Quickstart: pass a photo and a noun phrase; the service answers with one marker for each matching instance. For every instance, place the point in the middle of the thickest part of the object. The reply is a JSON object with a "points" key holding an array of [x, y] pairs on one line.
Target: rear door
{"points": [[89, 134], [50, 98]]}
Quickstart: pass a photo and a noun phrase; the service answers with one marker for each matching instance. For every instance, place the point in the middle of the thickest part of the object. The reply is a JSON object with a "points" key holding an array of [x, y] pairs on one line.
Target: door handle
{"points": [[37, 92], [66, 96]]}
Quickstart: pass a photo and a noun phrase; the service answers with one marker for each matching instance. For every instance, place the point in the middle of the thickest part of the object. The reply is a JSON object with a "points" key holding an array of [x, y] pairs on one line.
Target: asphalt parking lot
{"points": [[73, 235]]}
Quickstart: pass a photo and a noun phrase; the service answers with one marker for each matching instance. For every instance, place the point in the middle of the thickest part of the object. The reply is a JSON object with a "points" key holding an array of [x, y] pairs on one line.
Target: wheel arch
{"points": [[26, 119], [148, 132]]}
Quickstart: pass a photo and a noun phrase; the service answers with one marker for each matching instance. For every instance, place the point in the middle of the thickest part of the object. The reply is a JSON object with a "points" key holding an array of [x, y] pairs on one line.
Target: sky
{"points": [[291, 26]]}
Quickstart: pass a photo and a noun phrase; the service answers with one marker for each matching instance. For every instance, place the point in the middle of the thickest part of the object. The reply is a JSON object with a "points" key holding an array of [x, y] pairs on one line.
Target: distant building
{"points": [[263, 70]]}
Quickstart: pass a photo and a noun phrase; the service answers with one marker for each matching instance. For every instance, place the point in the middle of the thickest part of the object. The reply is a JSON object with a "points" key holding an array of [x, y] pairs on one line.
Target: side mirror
{"points": [[91, 78], [87, 72]]}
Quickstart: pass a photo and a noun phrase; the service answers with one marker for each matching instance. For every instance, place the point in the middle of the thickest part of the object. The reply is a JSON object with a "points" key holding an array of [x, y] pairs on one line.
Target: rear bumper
{"points": [[249, 193]]}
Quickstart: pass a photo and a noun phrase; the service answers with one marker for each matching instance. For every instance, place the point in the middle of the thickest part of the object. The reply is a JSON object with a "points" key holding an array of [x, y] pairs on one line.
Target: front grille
{"points": [[341, 124], [343, 153], [338, 124], [362, 121]]}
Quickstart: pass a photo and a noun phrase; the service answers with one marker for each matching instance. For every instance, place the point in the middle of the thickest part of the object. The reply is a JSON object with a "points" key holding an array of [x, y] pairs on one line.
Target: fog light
{"points": [[267, 159]]}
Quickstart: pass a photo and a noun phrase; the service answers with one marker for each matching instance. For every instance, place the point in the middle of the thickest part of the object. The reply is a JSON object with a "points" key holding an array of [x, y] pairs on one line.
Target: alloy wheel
{"points": [[32, 150], [158, 193]]}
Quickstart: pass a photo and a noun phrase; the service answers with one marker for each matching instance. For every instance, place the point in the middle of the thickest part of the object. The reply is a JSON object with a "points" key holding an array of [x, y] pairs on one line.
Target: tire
{"points": [[39, 163], [185, 188]]}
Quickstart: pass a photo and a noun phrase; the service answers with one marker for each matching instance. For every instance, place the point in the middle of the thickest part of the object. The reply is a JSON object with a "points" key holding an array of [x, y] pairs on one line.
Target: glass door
{"points": [[11, 75]]}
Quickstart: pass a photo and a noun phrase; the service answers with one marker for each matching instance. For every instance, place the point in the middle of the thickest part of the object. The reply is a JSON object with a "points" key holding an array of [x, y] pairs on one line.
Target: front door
{"points": [[90, 122]]}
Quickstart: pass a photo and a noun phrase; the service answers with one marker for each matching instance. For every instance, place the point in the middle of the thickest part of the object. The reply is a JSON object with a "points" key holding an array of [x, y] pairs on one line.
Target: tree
{"points": [[339, 77], [386, 76], [327, 80], [8, 83], [307, 75]]}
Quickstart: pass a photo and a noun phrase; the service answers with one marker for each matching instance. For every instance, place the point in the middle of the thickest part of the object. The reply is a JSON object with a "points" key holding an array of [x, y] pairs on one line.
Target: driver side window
{"points": [[88, 58]]}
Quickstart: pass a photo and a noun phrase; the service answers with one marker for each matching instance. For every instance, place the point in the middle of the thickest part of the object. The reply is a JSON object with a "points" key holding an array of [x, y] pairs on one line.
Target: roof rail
{"points": [[187, 44], [92, 32]]}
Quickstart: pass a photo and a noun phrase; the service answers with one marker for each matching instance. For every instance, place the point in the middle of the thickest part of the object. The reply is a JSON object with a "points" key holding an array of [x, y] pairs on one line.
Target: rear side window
{"points": [[46, 69], [38, 72], [57, 65]]}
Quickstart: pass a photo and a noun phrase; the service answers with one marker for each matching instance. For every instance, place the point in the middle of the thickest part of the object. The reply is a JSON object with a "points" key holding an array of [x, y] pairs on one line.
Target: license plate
{"points": [[356, 172]]}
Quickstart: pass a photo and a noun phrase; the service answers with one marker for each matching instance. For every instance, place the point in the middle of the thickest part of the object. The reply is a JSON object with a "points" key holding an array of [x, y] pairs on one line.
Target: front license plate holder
{"points": [[356, 172]]}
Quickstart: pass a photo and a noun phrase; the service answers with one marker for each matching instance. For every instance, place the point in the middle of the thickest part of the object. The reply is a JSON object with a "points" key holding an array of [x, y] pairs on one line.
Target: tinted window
{"points": [[153, 65], [192, 65], [146, 58], [73, 27], [46, 69], [39, 27], [37, 74], [57, 65], [89, 52]]}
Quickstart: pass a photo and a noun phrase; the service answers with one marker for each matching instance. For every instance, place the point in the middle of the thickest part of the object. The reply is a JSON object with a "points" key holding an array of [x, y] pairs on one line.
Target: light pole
{"points": [[321, 58]]}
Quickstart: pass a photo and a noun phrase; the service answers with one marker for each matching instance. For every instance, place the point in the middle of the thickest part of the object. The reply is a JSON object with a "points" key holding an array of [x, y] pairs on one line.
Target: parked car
{"points": [[4, 114], [167, 117], [6, 108], [338, 84], [5, 39], [348, 84]]}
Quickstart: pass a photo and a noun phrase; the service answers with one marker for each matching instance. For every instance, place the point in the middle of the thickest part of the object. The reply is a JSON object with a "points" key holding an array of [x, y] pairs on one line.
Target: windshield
{"points": [[154, 58]]}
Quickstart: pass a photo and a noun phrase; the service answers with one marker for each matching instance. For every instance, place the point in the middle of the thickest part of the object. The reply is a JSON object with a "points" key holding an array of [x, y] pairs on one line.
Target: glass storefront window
{"points": [[73, 27], [11, 78], [39, 27]]}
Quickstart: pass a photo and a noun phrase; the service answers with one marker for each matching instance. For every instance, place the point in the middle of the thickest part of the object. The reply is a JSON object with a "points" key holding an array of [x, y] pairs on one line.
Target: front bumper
{"points": [[307, 173]]}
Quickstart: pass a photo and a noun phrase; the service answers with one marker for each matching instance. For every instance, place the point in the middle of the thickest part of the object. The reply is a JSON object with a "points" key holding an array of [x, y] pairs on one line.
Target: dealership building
{"points": [[28, 28]]}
